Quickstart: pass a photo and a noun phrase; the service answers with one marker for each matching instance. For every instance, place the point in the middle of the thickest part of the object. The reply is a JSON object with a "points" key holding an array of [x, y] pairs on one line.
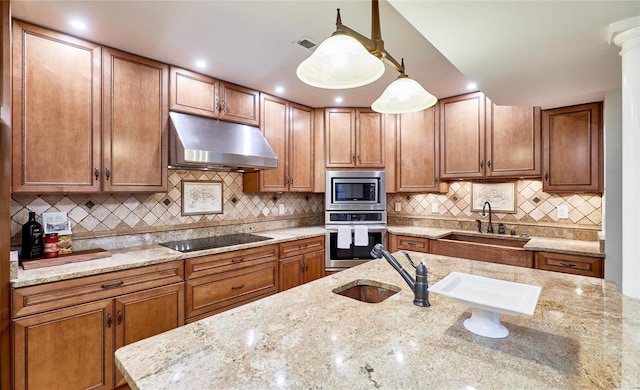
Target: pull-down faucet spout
{"points": [[490, 227], [419, 286]]}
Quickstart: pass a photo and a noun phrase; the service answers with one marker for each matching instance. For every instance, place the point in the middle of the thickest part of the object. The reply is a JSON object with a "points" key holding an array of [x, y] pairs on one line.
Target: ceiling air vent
{"points": [[307, 43]]}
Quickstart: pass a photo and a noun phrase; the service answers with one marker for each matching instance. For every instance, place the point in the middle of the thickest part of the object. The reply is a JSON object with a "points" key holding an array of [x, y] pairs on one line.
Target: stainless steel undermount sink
{"points": [[512, 242], [365, 290]]}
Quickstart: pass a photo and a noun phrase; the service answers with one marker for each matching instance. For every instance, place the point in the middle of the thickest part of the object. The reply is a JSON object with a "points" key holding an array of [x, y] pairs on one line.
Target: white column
{"points": [[626, 34]]}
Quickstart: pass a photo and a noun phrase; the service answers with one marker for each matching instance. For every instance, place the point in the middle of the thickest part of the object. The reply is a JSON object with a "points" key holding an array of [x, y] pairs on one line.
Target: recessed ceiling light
{"points": [[339, 99], [78, 24], [201, 64], [279, 89], [472, 86]]}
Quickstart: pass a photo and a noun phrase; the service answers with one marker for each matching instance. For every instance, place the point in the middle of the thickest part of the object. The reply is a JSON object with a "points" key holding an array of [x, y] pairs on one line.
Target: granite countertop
{"points": [[555, 245], [583, 334], [140, 256]]}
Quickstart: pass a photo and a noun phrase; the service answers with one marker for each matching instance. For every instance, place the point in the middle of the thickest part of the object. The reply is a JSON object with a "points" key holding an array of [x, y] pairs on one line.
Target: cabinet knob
{"points": [[489, 164], [217, 105], [223, 106], [546, 176], [109, 320], [96, 173], [481, 164], [353, 157], [119, 317], [107, 173]]}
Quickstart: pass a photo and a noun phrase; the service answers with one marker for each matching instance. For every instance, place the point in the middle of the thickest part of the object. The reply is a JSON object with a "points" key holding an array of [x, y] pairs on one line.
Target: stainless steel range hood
{"points": [[209, 144]]}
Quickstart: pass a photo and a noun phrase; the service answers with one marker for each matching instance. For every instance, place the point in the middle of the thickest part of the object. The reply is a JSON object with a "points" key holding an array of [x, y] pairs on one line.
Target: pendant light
{"points": [[348, 59]]}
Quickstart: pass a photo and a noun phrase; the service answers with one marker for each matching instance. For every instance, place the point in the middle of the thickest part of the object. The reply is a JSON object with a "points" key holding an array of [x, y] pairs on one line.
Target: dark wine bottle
{"points": [[32, 243]]}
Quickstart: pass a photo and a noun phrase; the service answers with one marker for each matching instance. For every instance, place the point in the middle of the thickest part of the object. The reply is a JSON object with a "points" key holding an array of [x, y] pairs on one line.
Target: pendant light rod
{"points": [[375, 44]]}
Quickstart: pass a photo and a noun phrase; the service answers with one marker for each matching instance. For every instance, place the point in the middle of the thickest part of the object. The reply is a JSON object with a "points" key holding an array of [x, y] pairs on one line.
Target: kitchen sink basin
{"points": [[368, 291], [512, 242]]}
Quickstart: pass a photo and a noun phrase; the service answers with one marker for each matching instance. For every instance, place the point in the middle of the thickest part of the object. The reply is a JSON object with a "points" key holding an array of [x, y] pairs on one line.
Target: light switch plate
{"points": [[434, 207], [281, 209], [398, 206], [562, 212]]}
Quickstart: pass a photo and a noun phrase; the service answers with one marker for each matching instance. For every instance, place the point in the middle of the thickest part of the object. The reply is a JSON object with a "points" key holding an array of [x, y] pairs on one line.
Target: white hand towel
{"points": [[344, 237], [361, 236]]}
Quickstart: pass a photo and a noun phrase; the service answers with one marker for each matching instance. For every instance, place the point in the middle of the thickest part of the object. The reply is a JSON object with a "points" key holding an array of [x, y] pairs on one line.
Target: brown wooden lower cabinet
{"points": [[304, 262], [73, 348], [579, 265]]}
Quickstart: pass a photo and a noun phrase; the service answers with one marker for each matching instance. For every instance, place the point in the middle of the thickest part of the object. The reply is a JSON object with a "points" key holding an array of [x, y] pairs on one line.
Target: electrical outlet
{"points": [[562, 212], [398, 206], [434, 207], [281, 209]]}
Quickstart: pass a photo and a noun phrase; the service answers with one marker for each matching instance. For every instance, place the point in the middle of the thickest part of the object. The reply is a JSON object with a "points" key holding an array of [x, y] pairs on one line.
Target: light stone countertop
{"points": [[583, 335], [139, 257], [555, 245]]}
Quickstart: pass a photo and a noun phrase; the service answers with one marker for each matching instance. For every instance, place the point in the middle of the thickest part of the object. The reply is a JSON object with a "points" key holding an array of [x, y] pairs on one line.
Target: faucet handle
{"points": [[411, 261]]}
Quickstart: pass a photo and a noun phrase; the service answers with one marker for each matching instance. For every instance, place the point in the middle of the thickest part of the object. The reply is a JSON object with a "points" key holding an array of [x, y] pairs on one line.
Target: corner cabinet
{"points": [[82, 114], [354, 138], [56, 112], [194, 93], [288, 127], [417, 149], [65, 333], [573, 157], [135, 127]]}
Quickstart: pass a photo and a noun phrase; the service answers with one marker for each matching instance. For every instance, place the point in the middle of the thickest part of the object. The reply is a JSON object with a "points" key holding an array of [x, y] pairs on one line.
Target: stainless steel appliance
{"points": [[355, 216], [355, 190]]}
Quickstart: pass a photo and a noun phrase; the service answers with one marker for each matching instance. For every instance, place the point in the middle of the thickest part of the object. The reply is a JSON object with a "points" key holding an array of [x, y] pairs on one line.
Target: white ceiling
{"points": [[546, 53]]}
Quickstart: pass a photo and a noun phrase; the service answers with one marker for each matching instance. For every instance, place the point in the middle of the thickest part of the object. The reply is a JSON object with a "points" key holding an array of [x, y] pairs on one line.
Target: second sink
{"points": [[368, 291]]}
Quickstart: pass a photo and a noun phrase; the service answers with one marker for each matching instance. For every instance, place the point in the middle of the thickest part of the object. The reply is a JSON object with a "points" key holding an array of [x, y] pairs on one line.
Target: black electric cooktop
{"points": [[198, 244]]}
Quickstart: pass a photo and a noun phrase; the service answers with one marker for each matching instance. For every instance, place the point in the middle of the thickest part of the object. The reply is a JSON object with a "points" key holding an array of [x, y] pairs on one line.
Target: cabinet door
{"points": [[339, 134], [572, 139], [314, 266], [65, 349], [193, 93], [513, 142], [275, 129], [291, 272], [301, 149], [417, 151], [370, 145], [135, 132], [145, 314], [462, 136], [56, 112], [239, 104]]}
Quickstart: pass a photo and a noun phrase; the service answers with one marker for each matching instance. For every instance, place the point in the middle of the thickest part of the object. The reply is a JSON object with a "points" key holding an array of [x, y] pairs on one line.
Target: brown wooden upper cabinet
{"points": [[59, 142], [194, 93], [417, 161], [572, 151], [354, 138], [479, 139], [135, 127], [288, 127]]}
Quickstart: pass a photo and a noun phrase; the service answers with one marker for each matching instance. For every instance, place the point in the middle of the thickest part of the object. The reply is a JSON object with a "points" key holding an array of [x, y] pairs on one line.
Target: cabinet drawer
{"points": [[49, 296], [587, 266], [417, 244], [228, 288], [299, 247], [212, 264]]}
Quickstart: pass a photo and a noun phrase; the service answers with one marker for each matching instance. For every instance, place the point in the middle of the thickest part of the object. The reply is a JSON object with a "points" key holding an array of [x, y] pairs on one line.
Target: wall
{"points": [[99, 215], [612, 214], [535, 213]]}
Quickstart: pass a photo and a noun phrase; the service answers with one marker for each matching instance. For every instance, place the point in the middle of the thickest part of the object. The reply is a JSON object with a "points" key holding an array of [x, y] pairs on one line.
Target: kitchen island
{"points": [[583, 334]]}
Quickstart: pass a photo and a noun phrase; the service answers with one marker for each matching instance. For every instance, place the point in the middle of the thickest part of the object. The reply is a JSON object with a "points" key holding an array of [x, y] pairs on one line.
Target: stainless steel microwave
{"points": [[355, 190]]}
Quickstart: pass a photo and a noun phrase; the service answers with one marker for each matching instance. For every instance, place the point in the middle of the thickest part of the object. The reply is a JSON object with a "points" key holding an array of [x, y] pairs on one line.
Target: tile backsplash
{"points": [[119, 214]]}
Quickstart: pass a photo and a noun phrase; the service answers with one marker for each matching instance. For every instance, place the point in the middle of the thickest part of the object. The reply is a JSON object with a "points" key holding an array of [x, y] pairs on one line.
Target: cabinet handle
{"points": [[546, 176], [353, 157], [119, 317], [109, 320], [568, 265], [358, 158], [223, 106], [489, 164], [239, 260], [437, 179], [107, 173], [481, 164], [96, 173], [304, 246], [306, 266], [120, 283], [237, 287]]}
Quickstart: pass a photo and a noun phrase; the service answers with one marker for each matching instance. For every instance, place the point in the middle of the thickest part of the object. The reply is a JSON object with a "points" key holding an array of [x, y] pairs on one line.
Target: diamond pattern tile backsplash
{"points": [[130, 213], [533, 206]]}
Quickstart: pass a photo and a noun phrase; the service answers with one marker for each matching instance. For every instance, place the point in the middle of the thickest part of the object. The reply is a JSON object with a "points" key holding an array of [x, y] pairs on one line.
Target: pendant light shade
{"points": [[402, 96], [340, 62]]}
